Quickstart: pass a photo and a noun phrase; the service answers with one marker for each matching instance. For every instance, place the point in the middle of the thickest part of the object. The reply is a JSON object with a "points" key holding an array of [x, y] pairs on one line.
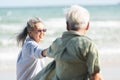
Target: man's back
{"points": [[71, 56], [75, 55]]}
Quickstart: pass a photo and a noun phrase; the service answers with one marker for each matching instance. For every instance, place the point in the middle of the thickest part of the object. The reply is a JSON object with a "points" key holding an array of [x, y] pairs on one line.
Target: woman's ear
{"points": [[29, 33]]}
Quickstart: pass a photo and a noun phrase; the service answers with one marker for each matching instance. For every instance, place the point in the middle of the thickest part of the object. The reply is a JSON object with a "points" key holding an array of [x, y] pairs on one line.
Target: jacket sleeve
{"points": [[52, 50], [92, 60]]}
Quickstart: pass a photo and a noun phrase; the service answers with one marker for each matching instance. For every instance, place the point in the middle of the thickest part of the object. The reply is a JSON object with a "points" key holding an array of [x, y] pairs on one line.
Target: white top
{"points": [[29, 61]]}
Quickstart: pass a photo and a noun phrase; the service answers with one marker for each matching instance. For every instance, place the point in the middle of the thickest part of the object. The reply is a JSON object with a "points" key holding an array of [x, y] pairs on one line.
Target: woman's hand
{"points": [[96, 76]]}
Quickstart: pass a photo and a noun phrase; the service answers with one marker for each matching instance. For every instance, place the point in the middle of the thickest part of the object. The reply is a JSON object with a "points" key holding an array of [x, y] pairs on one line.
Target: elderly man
{"points": [[76, 55]]}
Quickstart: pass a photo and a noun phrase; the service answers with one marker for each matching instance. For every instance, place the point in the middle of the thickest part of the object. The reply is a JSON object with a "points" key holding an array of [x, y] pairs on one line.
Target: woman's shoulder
{"points": [[30, 43]]}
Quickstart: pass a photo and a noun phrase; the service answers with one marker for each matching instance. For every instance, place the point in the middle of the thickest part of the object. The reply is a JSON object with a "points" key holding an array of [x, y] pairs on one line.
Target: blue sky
{"points": [[55, 2]]}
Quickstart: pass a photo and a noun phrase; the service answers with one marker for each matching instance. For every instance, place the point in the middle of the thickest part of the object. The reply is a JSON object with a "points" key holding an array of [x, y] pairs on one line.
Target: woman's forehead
{"points": [[39, 26]]}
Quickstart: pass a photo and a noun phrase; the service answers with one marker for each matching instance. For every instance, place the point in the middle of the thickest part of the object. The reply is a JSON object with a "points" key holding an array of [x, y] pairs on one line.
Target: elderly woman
{"points": [[30, 61]]}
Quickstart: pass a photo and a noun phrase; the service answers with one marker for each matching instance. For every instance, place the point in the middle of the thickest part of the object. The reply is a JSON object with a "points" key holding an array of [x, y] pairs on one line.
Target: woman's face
{"points": [[37, 34]]}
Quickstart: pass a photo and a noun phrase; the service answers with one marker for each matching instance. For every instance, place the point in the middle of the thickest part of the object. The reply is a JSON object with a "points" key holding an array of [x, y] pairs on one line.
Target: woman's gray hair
{"points": [[31, 22], [77, 17], [30, 25]]}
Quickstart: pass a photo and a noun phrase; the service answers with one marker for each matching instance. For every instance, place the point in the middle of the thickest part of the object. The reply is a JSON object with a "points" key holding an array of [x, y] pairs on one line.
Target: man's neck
{"points": [[82, 32]]}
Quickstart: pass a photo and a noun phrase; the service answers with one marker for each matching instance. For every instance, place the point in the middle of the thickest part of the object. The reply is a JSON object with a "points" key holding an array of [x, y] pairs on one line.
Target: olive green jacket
{"points": [[76, 57]]}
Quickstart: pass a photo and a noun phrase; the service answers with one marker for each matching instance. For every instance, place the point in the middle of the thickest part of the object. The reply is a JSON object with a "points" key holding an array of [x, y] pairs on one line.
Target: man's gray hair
{"points": [[77, 17]]}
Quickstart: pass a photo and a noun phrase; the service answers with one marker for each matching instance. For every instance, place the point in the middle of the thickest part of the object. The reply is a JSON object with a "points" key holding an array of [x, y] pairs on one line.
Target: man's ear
{"points": [[87, 27], [67, 26]]}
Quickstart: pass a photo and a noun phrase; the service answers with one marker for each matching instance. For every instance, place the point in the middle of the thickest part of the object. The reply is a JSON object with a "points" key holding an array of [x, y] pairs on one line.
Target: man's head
{"points": [[77, 18]]}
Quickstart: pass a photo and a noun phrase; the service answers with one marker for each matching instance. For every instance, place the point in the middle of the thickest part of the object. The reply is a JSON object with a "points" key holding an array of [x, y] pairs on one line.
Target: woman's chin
{"points": [[41, 39]]}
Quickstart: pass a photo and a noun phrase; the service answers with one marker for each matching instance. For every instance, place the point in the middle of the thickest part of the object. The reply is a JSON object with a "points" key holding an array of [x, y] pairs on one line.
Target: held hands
{"points": [[44, 52], [96, 76]]}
